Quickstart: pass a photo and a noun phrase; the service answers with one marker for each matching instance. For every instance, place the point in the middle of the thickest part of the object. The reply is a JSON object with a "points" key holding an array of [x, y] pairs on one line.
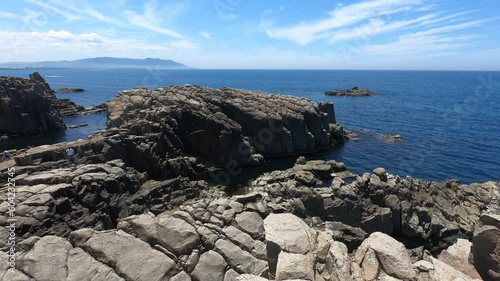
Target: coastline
{"points": [[153, 182]]}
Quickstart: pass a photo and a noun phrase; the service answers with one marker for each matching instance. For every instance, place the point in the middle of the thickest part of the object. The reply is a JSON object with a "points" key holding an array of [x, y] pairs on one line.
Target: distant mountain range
{"points": [[100, 63]]}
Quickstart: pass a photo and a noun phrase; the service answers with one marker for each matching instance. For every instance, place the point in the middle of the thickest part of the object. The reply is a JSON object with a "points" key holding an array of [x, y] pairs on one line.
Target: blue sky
{"points": [[276, 34]]}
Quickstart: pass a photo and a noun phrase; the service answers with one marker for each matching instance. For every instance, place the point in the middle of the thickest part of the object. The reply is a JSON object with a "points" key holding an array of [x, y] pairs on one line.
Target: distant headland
{"points": [[100, 63]]}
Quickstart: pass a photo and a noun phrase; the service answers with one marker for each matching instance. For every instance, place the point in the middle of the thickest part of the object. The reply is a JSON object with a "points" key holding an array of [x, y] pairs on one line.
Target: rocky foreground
{"points": [[109, 222], [143, 201]]}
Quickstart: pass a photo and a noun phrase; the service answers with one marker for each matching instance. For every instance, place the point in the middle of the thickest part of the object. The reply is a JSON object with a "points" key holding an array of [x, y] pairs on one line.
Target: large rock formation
{"points": [[27, 106], [226, 127], [180, 130]]}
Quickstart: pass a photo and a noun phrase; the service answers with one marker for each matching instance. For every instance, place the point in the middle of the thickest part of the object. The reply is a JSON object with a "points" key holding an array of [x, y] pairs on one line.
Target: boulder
{"points": [[251, 223], [392, 255], [177, 235], [123, 251], [458, 257], [286, 232], [295, 266], [211, 266], [444, 272], [486, 252], [239, 260], [338, 262], [54, 258]]}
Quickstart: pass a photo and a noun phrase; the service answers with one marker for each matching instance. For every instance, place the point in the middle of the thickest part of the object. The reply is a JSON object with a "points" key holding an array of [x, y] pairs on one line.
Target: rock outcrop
{"points": [[226, 127], [69, 90], [353, 92], [27, 106], [190, 130]]}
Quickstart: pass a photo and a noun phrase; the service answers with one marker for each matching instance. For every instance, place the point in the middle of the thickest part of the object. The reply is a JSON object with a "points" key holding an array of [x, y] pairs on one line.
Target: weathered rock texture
{"points": [[225, 126], [181, 130], [27, 106], [107, 221]]}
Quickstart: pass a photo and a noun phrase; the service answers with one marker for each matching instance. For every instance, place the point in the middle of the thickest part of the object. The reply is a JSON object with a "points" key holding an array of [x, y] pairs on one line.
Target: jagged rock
{"points": [[443, 272], [338, 262], [352, 237], [66, 107], [27, 106], [239, 260], [457, 256], [123, 251], [392, 255], [295, 266], [486, 252], [491, 219], [211, 266]]}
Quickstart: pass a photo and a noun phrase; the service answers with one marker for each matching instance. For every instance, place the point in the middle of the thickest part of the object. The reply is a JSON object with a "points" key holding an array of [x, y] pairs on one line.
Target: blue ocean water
{"points": [[449, 120]]}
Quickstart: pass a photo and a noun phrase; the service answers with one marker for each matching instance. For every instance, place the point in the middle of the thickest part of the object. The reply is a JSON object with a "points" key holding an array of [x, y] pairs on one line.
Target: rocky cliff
{"points": [[225, 126], [27, 106], [189, 130]]}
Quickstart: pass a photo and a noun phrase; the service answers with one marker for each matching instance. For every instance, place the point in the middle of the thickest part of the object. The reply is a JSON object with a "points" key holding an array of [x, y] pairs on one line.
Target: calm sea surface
{"points": [[450, 120]]}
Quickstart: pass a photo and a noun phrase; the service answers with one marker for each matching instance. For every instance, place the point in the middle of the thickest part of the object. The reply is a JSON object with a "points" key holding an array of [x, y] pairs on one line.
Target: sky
{"points": [[259, 34]]}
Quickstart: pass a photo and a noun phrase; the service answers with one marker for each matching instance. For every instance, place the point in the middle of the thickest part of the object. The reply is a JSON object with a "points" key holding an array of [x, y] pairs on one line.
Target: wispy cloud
{"points": [[7, 15], [372, 28], [150, 19], [205, 34], [343, 16], [53, 7], [436, 39]]}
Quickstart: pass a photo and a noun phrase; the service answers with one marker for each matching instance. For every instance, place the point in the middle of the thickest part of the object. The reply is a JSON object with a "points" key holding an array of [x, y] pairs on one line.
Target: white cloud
{"points": [[374, 27], [151, 18], [432, 40], [64, 44], [343, 16], [205, 34], [7, 15]]}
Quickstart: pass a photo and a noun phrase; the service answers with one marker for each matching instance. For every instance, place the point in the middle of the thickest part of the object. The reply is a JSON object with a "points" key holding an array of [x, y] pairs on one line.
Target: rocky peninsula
{"points": [[354, 92], [144, 201]]}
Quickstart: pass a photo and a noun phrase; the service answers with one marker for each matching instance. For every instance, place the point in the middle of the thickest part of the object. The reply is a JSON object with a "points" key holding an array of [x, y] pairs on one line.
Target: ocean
{"points": [[449, 120]]}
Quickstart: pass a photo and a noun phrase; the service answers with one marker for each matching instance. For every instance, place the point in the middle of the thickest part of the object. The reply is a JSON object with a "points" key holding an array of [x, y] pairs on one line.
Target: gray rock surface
{"points": [[27, 106]]}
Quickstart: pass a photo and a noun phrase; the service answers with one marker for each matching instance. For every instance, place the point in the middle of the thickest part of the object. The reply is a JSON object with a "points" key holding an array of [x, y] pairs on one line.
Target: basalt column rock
{"points": [[27, 106], [225, 127]]}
